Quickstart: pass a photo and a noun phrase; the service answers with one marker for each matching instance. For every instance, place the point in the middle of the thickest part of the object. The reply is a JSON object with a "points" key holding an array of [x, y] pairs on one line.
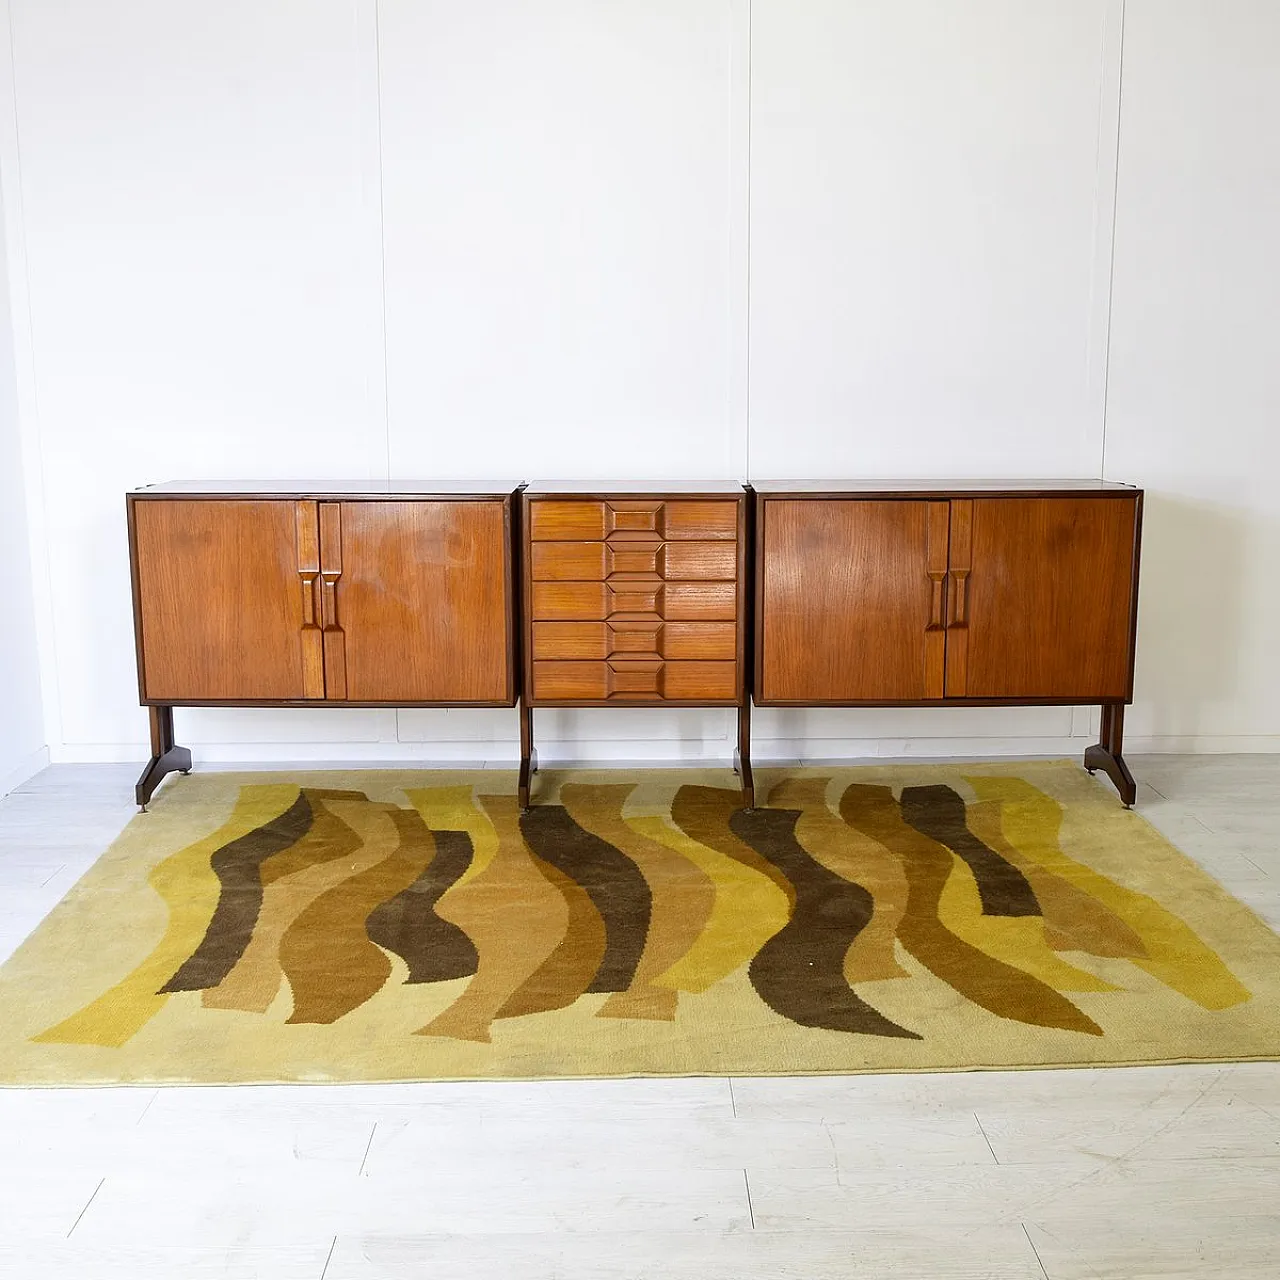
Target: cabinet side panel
{"points": [[1050, 598], [422, 601], [220, 598], [845, 600]]}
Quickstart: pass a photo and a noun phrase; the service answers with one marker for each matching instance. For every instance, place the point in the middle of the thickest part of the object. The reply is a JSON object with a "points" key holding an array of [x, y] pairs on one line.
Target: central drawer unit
{"points": [[634, 597]]}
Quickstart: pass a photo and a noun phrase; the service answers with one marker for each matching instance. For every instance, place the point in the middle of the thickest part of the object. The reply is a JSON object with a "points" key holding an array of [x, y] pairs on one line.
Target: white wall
{"points": [[1194, 401], [924, 197], [22, 740], [645, 238], [556, 198]]}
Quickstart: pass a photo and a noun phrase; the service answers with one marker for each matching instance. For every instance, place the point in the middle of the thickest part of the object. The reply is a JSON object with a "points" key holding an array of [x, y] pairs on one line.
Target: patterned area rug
{"points": [[393, 926]]}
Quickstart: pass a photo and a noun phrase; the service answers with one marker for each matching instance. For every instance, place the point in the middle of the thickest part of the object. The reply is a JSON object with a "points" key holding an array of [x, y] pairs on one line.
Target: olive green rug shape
{"points": [[374, 925]]}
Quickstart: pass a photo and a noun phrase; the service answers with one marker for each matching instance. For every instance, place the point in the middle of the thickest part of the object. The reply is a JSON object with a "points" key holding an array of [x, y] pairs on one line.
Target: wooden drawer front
{"points": [[689, 681], [629, 680], [566, 521], [699, 561], [717, 641], [695, 521], [600, 640], [636, 601], [700, 602], [672, 561], [555, 520], [568, 561], [568, 601]]}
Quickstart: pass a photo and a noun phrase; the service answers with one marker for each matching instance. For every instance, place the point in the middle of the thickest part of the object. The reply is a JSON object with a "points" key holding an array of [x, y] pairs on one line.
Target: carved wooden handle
{"points": [[959, 598], [937, 605], [329, 600], [308, 599]]}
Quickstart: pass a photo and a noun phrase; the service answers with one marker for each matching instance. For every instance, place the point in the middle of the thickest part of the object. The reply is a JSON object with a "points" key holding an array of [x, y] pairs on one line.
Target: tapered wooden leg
{"points": [[528, 755], [165, 757], [742, 756], [1108, 754]]}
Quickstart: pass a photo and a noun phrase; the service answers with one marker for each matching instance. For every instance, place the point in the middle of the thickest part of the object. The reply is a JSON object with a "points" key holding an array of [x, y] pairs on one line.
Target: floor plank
{"points": [[993, 1254]]}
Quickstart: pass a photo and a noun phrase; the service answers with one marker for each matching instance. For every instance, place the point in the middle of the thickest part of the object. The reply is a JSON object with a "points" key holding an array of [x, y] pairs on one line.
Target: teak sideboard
{"points": [[987, 593], [331, 595], [791, 594]]}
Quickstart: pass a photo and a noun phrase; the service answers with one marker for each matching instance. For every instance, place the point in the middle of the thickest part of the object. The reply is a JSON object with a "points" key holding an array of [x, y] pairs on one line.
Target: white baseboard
{"points": [[24, 770], [1197, 744], [650, 750]]}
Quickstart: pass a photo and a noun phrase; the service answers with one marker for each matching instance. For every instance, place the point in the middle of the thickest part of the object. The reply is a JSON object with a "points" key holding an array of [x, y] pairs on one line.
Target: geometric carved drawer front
{"points": [[634, 601], [686, 640], [635, 680], [591, 520], [672, 561]]}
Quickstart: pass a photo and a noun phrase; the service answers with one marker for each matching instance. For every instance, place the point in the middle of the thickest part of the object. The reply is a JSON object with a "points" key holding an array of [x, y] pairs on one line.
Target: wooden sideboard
{"points": [[635, 596], [333, 594], [982, 594], [796, 593]]}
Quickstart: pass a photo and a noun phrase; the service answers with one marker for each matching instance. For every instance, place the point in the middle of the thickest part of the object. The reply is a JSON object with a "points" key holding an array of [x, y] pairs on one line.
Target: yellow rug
{"points": [[416, 926]]}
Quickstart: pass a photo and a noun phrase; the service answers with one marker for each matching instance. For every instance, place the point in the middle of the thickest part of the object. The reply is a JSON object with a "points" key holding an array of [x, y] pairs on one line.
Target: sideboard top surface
{"points": [[952, 488], [635, 488], [487, 488]]}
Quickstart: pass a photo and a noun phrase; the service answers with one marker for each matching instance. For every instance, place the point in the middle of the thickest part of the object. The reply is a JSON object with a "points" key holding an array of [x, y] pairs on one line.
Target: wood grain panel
{"points": [[570, 681], [568, 561], [699, 640], [569, 601], [698, 521], [423, 601], [571, 640], [713, 561], [221, 590], [700, 601], [555, 521], [846, 601], [1049, 599], [634, 681], [694, 681]]}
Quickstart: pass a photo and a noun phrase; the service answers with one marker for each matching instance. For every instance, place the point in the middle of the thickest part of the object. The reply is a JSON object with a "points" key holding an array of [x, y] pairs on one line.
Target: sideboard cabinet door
{"points": [[852, 600], [417, 601], [225, 593], [1041, 597]]}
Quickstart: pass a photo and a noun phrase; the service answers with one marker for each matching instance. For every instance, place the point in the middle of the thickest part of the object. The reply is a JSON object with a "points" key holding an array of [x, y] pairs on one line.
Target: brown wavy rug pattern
{"points": [[393, 925]]}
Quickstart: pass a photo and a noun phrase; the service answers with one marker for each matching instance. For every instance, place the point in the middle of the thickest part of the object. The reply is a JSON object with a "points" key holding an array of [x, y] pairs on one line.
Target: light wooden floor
{"points": [[1121, 1173]]}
